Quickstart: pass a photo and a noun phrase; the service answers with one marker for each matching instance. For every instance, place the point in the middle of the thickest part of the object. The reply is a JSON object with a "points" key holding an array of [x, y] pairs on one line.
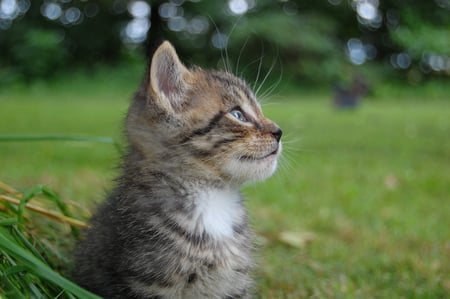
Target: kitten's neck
{"points": [[178, 173], [205, 204]]}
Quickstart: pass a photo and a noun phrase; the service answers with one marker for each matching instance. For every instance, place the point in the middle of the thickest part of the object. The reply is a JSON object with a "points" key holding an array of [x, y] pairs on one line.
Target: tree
{"points": [[315, 41]]}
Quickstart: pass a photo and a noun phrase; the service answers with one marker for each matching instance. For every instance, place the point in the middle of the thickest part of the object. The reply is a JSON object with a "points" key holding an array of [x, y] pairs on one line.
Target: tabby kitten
{"points": [[175, 225]]}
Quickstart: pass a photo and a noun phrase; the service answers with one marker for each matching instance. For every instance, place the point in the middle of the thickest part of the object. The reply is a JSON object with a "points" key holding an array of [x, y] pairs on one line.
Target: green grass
{"points": [[365, 193], [26, 255], [372, 186]]}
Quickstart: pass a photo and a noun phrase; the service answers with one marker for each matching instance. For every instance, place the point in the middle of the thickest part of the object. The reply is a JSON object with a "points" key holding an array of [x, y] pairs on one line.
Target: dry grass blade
{"points": [[16, 197], [8, 189], [45, 212]]}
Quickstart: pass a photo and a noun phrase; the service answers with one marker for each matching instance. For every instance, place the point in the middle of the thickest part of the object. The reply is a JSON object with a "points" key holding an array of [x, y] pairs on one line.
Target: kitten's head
{"points": [[204, 124]]}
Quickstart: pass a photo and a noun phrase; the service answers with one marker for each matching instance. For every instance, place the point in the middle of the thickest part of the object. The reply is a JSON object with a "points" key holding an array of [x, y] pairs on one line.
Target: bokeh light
{"points": [[366, 10], [139, 9], [72, 16], [368, 13], [168, 10], [136, 30], [401, 60], [219, 40], [10, 10], [198, 25], [177, 24], [358, 52], [238, 7], [91, 10], [435, 62], [51, 11]]}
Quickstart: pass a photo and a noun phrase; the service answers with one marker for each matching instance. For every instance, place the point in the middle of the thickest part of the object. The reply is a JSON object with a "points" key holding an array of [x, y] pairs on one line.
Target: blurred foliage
{"points": [[39, 54], [310, 41]]}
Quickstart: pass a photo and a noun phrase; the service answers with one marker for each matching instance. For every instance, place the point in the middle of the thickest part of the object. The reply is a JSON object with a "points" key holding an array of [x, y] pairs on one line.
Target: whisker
{"points": [[259, 69], [224, 61], [268, 91], [272, 66], [287, 139], [240, 53], [253, 84], [230, 68]]}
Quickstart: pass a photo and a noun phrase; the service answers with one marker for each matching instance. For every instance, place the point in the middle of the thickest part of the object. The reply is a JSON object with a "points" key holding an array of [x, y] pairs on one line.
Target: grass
{"points": [[372, 187], [27, 257], [358, 209]]}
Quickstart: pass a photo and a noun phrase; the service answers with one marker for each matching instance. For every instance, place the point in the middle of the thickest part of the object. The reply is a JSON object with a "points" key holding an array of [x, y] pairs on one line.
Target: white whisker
{"points": [[272, 66], [274, 86], [239, 56], [259, 70]]}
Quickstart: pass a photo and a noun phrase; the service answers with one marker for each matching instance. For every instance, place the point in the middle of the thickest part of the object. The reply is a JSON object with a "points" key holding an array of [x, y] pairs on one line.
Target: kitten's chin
{"points": [[251, 170]]}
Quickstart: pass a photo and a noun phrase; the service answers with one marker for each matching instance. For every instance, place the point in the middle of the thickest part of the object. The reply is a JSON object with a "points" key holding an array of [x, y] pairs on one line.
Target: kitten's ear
{"points": [[167, 77]]}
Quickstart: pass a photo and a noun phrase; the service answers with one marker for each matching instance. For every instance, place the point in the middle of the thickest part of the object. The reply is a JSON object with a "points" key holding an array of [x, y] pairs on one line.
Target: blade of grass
{"points": [[60, 137], [25, 199], [8, 189], [25, 243], [8, 221], [63, 207], [40, 269], [41, 189], [55, 137], [8, 284], [14, 269], [50, 214], [15, 284]]}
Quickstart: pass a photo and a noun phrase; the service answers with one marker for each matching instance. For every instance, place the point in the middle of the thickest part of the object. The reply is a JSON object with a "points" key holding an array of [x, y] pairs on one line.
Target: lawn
{"points": [[358, 209]]}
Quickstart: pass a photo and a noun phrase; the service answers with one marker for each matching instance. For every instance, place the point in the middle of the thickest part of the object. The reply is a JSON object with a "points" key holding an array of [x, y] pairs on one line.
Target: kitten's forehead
{"points": [[236, 91]]}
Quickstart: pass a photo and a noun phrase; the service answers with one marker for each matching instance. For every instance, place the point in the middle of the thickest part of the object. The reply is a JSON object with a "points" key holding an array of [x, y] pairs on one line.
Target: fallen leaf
{"points": [[296, 239]]}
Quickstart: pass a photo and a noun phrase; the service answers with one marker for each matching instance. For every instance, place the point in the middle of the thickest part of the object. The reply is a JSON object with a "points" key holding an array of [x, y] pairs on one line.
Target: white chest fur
{"points": [[217, 211]]}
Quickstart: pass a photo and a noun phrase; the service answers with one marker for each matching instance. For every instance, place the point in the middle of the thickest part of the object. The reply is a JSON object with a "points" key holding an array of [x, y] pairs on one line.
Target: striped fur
{"points": [[175, 225]]}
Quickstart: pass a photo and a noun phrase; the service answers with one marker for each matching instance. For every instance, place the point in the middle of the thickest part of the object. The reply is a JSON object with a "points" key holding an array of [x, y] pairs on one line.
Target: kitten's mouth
{"points": [[256, 158]]}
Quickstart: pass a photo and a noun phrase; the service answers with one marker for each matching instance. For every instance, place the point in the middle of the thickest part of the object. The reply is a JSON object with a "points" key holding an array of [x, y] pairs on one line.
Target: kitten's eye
{"points": [[239, 115]]}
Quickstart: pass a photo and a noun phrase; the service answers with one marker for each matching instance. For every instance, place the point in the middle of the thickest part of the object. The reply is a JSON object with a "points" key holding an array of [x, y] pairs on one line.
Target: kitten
{"points": [[175, 225]]}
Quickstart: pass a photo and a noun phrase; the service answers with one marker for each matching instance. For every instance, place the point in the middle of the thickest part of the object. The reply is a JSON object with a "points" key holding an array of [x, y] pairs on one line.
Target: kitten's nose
{"points": [[277, 133]]}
